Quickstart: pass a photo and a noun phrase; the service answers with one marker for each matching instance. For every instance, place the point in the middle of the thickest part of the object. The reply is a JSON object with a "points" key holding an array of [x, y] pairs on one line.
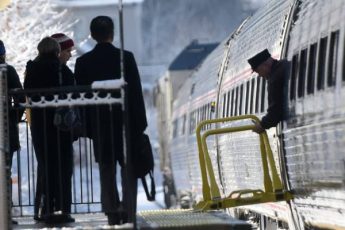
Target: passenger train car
{"points": [[308, 146]]}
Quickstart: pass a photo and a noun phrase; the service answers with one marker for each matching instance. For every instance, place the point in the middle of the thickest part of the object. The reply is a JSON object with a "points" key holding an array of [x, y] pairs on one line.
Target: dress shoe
{"points": [[113, 219], [59, 219], [124, 217], [38, 218], [67, 218]]}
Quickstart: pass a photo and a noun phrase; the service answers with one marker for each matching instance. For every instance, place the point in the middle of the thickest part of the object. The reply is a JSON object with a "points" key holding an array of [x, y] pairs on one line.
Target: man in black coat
{"points": [[15, 112], [275, 72], [13, 82], [103, 63]]}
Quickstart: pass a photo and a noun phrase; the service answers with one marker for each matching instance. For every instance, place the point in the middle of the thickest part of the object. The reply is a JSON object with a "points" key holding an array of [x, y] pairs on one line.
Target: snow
{"points": [[78, 3], [24, 23], [108, 84]]}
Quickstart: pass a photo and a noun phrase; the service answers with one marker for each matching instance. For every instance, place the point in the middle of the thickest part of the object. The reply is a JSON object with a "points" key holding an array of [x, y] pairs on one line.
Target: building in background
{"points": [[156, 31], [167, 87]]}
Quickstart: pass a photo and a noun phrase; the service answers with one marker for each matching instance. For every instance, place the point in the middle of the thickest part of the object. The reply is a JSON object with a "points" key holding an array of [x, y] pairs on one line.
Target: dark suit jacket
{"points": [[103, 63], [275, 89], [43, 73], [16, 113]]}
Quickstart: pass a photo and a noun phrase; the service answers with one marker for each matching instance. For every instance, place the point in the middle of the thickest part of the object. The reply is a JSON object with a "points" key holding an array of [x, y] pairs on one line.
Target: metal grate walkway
{"points": [[156, 219], [188, 219]]}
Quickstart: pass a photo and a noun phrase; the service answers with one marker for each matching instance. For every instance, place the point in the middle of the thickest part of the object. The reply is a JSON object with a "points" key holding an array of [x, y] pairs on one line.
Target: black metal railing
{"points": [[85, 179]]}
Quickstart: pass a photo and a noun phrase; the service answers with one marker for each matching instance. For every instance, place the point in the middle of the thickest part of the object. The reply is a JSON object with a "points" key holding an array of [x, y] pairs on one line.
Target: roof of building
{"points": [[192, 56]]}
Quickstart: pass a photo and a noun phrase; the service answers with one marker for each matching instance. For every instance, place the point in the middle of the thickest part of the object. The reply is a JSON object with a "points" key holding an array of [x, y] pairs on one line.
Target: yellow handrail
{"points": [[209, 185]]}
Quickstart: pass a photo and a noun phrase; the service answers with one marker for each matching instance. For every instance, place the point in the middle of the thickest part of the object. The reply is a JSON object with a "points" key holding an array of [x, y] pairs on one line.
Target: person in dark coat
{"points": [[15, 112], [66, 47], [53, 148], [275, 72], [103, 63]]}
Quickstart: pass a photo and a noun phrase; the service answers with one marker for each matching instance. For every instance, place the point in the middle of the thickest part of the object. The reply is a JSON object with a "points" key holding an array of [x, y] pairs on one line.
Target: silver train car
{"points": [[308, 146]]}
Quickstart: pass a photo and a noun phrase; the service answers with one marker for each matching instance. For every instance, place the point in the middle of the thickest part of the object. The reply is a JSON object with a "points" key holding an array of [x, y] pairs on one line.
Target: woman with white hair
{"points": [[53, 147]]}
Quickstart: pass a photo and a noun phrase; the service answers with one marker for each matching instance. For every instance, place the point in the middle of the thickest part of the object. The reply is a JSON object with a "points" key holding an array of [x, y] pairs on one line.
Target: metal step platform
{"points": [[156, 219], [188, 219], [212, 200]]}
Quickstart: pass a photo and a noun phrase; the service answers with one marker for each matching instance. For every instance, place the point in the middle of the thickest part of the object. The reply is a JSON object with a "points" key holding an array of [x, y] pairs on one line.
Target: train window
{"points": [[203, 115], [201, 112], [263, 92], [196, 117], [228, 105], [195, 121], [192, 89], [302, 72], [232, 102], [293, 77], [311, 69], [240, 102], [196, 111], [321, 64], [175, 123], [333, 54], [180, 126], [257, 96], [247, 99], [184, 119], [191, 122], [344, 64], [205, 112], [208, 109], [236, 100], [199, 115], [224, 95], [252, 96], [208, 113]]}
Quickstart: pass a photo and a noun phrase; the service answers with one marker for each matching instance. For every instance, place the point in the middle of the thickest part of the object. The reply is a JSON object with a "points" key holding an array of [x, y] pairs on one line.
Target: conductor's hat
{"points": [[259, 58]]}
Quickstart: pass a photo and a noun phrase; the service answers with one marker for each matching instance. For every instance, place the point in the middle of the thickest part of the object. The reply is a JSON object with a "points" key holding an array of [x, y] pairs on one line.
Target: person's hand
{"points": [[258, 128]]}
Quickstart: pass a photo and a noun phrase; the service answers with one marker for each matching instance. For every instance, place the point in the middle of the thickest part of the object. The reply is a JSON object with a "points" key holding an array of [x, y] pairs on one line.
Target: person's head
{"points": [[2, 52], [102, 29], [261, 63], [48, 47], [66, 46]]}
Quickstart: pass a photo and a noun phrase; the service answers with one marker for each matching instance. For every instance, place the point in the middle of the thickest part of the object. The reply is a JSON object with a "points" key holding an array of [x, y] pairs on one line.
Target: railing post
{"points": [[4, 148]]}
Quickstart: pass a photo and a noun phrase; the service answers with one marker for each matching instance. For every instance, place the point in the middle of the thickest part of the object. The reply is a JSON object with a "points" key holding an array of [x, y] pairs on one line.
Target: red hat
{"points": [[64, 41]]}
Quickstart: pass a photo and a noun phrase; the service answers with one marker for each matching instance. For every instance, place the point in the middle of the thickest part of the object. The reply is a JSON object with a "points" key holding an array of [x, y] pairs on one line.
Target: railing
{"points": [[85, 180], [4, 198], [211, 196]]}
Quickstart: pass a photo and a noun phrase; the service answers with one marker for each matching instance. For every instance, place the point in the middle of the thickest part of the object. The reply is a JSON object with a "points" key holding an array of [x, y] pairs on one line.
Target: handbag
{"points": [[144, 164], [67, 118]]}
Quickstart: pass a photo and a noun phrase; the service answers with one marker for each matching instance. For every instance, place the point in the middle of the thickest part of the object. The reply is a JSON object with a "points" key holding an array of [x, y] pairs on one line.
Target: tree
{"points": [[23, 23]]}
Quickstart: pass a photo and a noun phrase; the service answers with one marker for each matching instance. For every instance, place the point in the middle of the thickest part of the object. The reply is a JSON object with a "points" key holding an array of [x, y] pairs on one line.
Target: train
{"points": [[308, 145]]}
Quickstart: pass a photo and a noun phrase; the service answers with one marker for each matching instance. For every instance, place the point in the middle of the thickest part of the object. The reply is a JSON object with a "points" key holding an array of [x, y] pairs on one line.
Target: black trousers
{"points": [[54, 154], [110, 194]]}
